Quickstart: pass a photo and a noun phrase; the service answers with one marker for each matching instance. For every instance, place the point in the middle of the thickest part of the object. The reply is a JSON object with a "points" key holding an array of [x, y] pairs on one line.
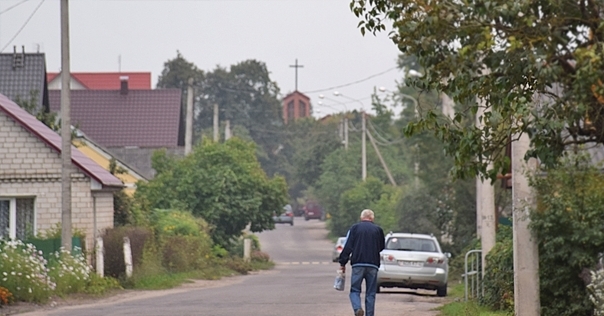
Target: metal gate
{"points": [[473, 274]]}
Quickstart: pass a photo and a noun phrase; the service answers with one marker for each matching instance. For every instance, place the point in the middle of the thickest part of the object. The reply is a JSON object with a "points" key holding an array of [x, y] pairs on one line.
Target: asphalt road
{"points": [[301, 284]]}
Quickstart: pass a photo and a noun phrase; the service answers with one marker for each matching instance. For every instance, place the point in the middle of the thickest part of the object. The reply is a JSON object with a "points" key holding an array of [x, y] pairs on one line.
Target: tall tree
{"points": [[222, 183], [176, 74], [536, 64]]}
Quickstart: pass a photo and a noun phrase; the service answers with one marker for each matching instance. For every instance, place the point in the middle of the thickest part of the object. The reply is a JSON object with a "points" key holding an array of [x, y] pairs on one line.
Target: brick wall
{"points": [[31, 168]]}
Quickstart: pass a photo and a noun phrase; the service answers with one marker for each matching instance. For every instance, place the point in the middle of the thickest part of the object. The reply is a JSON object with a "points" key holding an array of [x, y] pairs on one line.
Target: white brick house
{"points": [[30, 180]]}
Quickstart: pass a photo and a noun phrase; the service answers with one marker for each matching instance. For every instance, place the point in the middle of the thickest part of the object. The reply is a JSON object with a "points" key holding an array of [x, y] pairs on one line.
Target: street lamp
{"points": [[415, 103], [344, 123], [416, 164]]}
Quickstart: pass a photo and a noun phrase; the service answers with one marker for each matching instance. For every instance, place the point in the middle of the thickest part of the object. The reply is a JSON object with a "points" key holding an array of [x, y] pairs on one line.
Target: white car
{"points": [[413, 261], [337, 249]]}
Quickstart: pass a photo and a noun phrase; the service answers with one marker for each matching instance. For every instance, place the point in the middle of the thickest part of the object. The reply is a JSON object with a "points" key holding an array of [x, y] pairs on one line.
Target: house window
{"points": [[302, 109], [16, 218]]}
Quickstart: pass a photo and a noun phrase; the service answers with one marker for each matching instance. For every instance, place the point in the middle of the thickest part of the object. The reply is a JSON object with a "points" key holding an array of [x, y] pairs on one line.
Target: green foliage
{"points": [[221, 183], [341, 173], [178, 223], [31, 105], [70, 273], [123, 204], [98, 285], [498, 280], [568, 223], [184, 253], [55, 232], [113, 242], [534, 66]]}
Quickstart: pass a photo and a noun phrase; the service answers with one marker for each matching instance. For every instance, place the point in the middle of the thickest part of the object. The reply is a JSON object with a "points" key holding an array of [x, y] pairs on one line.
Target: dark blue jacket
{"points": [[365, 241]]}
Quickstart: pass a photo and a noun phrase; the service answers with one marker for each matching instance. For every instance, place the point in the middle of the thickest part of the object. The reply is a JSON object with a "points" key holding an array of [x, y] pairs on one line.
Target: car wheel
{"points": [[291, 223], [378, 289], [306, 218], [441, 291]]}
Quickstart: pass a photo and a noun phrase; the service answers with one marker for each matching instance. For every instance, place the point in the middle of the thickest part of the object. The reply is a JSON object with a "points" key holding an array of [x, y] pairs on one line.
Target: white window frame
{"points": [[12, 214]]}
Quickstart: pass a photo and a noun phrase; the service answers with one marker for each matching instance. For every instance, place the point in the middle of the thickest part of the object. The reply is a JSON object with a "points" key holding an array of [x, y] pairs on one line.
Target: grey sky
{"points": [[321, 34]]}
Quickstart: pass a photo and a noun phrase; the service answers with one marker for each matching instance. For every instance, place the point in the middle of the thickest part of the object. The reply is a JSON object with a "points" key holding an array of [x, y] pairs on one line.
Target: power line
{"points": [[12, 7], [22, 27], [352, 83]]}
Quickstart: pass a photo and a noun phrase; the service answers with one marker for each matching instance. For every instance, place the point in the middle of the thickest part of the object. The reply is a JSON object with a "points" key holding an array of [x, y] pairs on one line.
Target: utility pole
{"points": [[216, 135], [526, 251], [363, 149], [377, 151], [346, 132], [189, 122], [227, 130], [66, 234], [486, 223]]}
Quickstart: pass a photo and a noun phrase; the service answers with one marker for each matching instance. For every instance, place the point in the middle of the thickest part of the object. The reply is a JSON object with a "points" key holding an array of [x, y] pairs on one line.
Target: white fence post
{"points": [[100, 257], [128, 257], [247, 249]]}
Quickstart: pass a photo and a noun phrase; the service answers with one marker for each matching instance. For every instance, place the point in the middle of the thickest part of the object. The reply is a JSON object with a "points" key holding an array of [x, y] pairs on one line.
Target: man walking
{"points": [[365, 240]]}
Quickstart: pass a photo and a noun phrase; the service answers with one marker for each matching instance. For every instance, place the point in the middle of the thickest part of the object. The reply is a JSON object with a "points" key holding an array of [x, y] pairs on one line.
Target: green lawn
{"points": [[457, 307]]}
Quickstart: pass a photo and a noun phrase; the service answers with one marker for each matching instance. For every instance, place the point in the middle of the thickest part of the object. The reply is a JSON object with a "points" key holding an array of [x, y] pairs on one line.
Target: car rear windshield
{"points": [[411, 244]]}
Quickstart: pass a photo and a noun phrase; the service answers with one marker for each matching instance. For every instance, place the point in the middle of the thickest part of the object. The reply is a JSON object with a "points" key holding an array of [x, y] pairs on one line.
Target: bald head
{"points": [[367, 215]]}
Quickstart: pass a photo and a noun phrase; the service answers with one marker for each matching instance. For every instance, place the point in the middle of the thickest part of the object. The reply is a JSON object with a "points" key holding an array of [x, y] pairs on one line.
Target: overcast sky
{"points": [[143, 34]]}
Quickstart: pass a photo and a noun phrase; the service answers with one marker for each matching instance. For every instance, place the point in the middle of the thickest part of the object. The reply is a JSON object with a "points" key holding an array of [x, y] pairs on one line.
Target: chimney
{"points": [[123, 85]]}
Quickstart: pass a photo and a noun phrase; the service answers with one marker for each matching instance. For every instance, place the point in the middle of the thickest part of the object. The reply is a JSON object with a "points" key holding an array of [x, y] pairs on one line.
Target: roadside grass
{"points": [[457, 307], [161, 280]]}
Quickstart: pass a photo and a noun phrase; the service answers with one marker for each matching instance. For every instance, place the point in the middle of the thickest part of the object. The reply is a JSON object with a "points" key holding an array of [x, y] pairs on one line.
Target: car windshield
{"points": [[411, 244]]}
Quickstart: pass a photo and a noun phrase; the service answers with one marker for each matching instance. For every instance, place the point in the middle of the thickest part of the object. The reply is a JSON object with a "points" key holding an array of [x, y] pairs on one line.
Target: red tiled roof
{"points": [[108, 80], [142, 118], [50, 137]]}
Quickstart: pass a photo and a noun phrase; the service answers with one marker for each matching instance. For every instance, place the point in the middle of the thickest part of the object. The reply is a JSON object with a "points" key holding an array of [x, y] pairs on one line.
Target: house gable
{"points": [[22, 74]]}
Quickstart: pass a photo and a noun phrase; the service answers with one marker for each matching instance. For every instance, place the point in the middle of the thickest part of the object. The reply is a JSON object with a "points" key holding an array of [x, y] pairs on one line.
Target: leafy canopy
{"points": [[221, 183], [535, 66]]}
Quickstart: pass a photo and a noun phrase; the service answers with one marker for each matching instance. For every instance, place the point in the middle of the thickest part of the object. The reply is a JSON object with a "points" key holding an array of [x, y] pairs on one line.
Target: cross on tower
{"points": [[296, 66]]}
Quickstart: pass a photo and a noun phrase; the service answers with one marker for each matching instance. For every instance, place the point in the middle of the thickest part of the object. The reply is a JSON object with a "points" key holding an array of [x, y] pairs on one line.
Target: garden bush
{"points": [[185, 253], [70, 273], [568, 223], [113, 241], [498, 280]]}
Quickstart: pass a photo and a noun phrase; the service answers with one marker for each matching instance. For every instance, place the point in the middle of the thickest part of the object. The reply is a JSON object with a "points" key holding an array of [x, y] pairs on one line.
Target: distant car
{"points": [[413, 261], [287, 217], [313, 210], [337, 249]]}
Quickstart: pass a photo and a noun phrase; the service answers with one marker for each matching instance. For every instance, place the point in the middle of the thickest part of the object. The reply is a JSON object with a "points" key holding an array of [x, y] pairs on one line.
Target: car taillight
{"points": [[435, 260], [388, 258], [339, 248]]}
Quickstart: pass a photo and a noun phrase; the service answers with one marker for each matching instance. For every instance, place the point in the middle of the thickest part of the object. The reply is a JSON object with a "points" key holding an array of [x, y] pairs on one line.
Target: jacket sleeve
{"points": [[345, 254]]}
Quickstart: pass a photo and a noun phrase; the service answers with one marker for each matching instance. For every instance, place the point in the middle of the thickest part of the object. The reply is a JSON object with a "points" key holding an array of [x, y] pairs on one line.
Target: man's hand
{"points": [[343, 269]]}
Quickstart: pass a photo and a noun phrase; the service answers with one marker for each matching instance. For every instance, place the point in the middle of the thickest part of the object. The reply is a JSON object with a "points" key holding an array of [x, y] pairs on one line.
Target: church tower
{"points": [[296, 104]]}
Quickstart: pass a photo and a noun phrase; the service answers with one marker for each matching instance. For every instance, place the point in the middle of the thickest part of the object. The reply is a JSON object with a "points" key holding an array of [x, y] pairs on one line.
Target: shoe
{"points": [[359, 312]]}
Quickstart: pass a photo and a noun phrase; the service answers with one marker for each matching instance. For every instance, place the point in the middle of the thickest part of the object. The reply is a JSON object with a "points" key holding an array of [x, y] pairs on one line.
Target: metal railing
{"points": [[473, 275]]}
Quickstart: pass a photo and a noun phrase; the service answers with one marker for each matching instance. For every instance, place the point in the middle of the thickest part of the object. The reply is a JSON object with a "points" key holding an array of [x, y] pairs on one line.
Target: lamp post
{"points": [[415, 104], [414, 100]]}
